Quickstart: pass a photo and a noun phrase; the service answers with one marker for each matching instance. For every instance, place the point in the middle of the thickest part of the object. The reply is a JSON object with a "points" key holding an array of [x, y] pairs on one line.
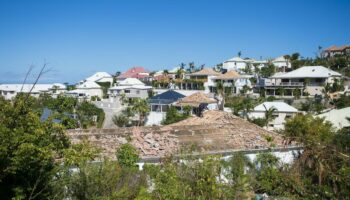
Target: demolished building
{"points": [[216, 132]]}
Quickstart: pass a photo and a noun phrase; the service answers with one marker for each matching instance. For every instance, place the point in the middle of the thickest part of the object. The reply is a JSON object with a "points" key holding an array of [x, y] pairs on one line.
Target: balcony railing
{"points": [[288, 84]]}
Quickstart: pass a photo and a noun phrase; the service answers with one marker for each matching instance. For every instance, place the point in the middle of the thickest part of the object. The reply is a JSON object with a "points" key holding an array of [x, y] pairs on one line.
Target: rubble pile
{"points": [[215, 131], [154, 144]]}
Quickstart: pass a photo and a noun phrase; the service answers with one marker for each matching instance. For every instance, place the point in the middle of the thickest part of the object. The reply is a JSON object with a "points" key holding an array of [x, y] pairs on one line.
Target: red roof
{"points": [[135, 72]]}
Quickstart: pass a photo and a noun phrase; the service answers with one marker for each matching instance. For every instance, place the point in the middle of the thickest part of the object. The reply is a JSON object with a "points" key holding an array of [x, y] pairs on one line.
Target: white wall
{"points": [[277, 123], [234, 65], [155, 118]]}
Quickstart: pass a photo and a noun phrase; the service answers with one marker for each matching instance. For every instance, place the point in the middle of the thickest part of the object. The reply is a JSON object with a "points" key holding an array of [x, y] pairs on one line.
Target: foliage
{"points": [[141, 108], [173, 115], [105, 180], [342, 102], [28, 148], [312, 106], [85, 113], [79, 154], [127, 155], [105, 86], [121, 120], [259, 121], [320, 168], [268, 71]]}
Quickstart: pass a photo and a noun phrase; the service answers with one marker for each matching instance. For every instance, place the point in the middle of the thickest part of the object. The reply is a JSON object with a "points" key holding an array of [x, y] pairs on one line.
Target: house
{"points": [[159, 104], [236, 63], [281, 63], [201, 80], [166, 74], [131, 88], [198, 102], [232, 81], [334, 51], [135, 72], [240, 65], [100, 77], [9, 91], [86, 90], [304, 81], [338, 117], [283, 111]]}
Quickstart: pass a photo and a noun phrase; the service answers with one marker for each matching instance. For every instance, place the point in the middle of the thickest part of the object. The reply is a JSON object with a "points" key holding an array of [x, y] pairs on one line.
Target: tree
{"points": [[28, 149], [173, 116], [268, 71], [127, 155], [288, 58], [269, 114], [239, 53], [141, 108], [120, 120], [191, 66], [220, 94], [323, 162]]}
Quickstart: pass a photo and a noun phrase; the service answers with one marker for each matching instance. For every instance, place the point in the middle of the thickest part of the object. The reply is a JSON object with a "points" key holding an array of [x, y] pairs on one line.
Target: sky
{"points": [[78, 38]]}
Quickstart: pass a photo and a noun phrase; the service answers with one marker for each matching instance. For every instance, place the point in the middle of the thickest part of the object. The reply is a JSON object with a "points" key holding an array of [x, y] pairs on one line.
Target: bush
{"points": [[127, 155], [173, 116], [121, 120]]}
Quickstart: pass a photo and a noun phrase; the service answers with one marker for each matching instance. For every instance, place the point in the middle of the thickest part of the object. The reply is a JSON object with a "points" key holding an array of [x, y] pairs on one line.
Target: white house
{"points": [[338, 117], [203, 78], [308, 79], [131, 87], [8, 91], [232, 80], [86, 90], [281, 62], [235, 63], [159, 105], [283, 112], [100, 77]]}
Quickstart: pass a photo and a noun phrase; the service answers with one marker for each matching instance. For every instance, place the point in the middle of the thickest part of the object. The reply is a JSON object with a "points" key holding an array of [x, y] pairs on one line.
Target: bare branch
{"points": [[27, 74], [42, 72]]}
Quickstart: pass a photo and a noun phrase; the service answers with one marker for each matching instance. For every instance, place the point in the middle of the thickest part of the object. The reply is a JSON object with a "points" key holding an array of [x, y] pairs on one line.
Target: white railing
{"points": [[298, 84]]}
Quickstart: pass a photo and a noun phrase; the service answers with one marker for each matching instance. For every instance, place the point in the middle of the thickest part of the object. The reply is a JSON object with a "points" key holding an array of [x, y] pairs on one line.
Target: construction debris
{"points": [[215, 131]]}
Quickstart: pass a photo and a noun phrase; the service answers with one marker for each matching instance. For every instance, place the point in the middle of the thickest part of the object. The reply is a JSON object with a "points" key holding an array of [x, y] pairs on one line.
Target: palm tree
{"points": [[269, 114], [182, 65], [191, 66], [247, 107], [287, 57], [165, 72], [141, 107], [220, 94]]}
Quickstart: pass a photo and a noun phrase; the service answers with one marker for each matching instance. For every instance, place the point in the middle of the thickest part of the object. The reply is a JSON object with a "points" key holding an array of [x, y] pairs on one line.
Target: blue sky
{"points": [[78, 38]]}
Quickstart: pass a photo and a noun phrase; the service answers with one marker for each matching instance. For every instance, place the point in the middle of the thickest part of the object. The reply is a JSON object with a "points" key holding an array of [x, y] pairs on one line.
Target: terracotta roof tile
{"points": [[228, 75], [205, 72], [195, 100]]}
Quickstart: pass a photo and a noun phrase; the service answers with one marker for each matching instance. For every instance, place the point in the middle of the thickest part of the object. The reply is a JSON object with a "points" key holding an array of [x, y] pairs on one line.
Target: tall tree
{"points": [[220, 94], [269, 114], [191, 66], [141, 108]]}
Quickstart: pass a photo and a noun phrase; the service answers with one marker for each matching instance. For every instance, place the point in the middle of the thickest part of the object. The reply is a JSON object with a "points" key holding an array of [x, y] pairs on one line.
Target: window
{"points": [[165, 108], [137, 91], [155, 108], [127, 91]]}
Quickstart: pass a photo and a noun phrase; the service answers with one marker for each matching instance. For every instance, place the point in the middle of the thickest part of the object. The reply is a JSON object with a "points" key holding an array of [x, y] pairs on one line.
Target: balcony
{"points": [[285, 84]]}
